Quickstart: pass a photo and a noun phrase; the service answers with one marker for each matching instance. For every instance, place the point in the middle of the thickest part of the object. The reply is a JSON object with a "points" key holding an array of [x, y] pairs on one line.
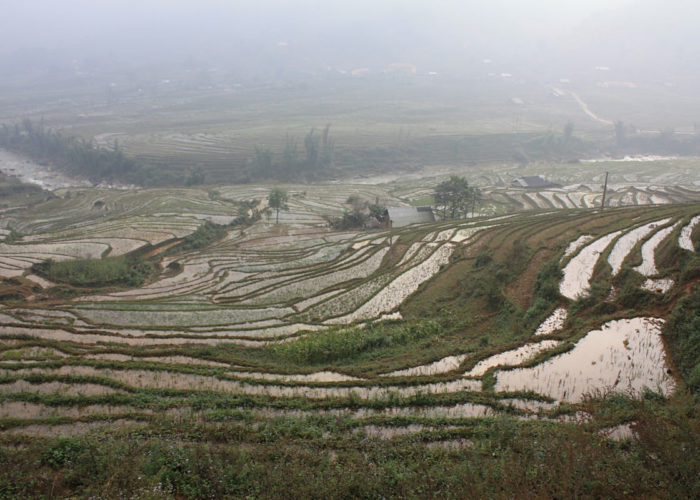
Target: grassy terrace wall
{"points": [[419, 361]]}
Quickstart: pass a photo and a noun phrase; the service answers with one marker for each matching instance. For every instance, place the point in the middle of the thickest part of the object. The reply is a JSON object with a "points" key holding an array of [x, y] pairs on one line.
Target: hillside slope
{"points": [[480, 357]]}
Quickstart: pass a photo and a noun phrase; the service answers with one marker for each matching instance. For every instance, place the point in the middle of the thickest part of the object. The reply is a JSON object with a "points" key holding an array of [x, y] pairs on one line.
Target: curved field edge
{"points": [[53, 388]]}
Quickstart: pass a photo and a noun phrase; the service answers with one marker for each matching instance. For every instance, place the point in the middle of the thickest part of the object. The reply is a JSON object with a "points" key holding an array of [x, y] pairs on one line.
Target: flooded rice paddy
{"points": [[267, 284], [624, 355]]}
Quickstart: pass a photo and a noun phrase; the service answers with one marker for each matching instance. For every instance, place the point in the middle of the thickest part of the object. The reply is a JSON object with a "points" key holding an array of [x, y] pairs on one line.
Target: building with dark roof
{"points": [[534, 182]]}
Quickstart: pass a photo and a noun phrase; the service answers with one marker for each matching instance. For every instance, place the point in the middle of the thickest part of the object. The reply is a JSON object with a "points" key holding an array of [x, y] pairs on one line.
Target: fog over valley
{"points": [[292, 40], [349, 249]]}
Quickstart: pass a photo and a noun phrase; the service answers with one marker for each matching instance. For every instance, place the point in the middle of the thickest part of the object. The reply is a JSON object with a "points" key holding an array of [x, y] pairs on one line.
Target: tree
{"points": [[475, 194], [195, 177], [454, 195], [311, 146], [290, 157], [277, 199], [357, 203], [363, 214], [442, 196], [327, 147], [263, 161], [379, 212]]}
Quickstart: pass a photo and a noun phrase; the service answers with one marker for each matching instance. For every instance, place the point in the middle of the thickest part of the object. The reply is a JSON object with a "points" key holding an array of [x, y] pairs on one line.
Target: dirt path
{"points": [[521, 290], [161, 249], [587, 110]]}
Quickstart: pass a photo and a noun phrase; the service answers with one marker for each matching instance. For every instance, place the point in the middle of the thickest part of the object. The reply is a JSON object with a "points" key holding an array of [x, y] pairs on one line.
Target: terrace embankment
{"points": [[487, 331]]}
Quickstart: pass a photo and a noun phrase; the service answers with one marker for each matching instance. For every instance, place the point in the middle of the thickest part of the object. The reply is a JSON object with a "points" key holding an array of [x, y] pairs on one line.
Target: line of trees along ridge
{"points": [[75, 156], [313, 162]]}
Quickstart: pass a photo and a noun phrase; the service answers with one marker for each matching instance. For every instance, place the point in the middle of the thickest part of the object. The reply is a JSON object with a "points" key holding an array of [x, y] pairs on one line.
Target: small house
{"points": [[534, 182], [405, 216]]}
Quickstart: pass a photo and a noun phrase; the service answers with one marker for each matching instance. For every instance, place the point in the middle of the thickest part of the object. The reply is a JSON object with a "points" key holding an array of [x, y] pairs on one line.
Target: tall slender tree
{"points": [[475, 194], [290, 157], [277, 199], [327, 147], [311, 145]]}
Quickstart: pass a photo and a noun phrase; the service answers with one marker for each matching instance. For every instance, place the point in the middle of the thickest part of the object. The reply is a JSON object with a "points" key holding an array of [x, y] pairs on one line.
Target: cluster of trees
{"points": [[293, 163], [122, 269], [626, 139], [362, 214], [552, 145], [630, 140], [73, 155], [455, 198], [204, 235]]}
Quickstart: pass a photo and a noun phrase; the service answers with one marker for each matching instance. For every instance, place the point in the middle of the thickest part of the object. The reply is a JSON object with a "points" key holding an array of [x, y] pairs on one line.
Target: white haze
{"points": [[296, 38]]}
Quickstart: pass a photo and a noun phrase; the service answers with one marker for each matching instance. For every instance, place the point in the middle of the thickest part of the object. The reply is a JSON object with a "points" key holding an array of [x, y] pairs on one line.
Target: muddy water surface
{"points": [[624, 355]]}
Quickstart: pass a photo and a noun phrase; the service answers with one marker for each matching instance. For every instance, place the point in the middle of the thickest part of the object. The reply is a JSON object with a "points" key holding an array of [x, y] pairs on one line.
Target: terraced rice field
{"points": [[246, 319], [581, 184]]}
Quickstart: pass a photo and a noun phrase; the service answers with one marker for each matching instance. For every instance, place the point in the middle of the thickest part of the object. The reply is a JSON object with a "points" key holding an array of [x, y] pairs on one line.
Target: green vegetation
{"points": [[455, 195], [228, 375], [75, 156], [683, 334], [195, 177], [277, 200], [630, 294], [632, 141], [546, 293], [348, 343], [275, 132], [361, 215], [218, 388], [321, 457], [315, 164], [14, 193], [205, 234], [10, 187], [121, 270]]}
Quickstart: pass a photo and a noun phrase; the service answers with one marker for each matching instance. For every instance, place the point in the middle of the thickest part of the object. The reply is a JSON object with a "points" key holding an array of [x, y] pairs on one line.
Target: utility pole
{"points": [[605, 191]]}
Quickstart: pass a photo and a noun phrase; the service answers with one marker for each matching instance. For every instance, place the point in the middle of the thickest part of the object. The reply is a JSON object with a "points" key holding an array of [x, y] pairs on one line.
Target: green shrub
{"points": [[595, 296], [547, 281], [349, 220], [204, 235], [630, 294], [62, 452], [483, 258], [539, 308], [510, 318], [347, 343], [683, 334], [96, 272], [690, 269]]}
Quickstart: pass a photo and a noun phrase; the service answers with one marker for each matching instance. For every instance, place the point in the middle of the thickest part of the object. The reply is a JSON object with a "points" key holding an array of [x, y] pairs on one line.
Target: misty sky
{"points": [[51, 23], [309, 35]]}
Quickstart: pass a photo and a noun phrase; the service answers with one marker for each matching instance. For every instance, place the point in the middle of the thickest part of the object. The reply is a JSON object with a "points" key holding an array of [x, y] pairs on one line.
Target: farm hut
{"points": [[534, 182], [404, 216]]}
